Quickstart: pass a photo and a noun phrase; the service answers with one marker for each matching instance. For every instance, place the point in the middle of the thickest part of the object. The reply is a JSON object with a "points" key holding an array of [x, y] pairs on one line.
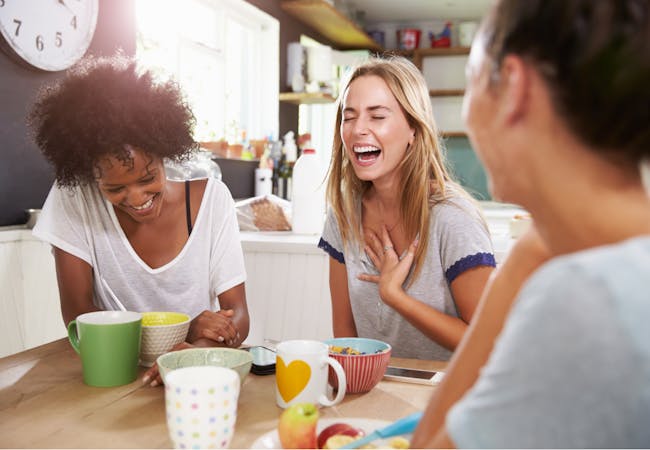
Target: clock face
{"points": [[48, 34]]}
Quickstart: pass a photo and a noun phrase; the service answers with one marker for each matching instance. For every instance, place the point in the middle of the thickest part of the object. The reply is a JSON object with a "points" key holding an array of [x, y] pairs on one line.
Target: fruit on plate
{"points": [[338, 429], [399, 442], [338, 441], [297, 427]]}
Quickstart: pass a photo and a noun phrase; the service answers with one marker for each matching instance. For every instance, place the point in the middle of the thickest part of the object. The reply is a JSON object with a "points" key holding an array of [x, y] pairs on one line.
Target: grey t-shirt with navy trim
{"points": [[458, 241]]}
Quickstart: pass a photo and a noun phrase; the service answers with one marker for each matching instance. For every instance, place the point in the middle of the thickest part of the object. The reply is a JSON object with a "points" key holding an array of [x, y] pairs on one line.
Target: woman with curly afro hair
{"points": [[114, 219]]}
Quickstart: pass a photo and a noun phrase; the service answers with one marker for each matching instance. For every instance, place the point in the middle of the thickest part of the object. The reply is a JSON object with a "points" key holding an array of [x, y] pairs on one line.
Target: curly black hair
{"points": [[102, 105]]}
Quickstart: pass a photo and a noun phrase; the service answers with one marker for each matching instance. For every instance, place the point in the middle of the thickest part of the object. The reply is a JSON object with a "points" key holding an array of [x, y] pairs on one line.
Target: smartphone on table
{"points": [[263, 360], [413, 375]]}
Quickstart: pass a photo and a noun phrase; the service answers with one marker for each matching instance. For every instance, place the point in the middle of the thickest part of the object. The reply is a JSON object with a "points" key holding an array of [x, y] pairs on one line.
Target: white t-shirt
{"points": [[82, 223]]}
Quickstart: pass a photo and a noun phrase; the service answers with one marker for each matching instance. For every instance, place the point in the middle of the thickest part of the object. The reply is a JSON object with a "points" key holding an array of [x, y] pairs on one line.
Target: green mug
{"points": [[109, 345]]}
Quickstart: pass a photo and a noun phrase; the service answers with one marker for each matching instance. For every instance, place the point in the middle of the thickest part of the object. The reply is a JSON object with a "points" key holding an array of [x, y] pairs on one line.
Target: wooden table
{"points": [[44, 404]]}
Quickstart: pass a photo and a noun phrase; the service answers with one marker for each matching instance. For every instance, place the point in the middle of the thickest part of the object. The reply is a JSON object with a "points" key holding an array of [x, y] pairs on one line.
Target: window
{"points": [[225, 56]]}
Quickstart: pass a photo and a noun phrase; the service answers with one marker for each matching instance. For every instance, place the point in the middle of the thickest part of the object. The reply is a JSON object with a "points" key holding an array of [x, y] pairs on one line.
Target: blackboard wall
{"points": [[25, 176]]}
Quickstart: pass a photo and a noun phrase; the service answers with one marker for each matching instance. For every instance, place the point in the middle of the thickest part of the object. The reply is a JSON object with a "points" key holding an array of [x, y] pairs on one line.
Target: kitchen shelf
{"points": [[453, 134], [399, 52], [446, 92], [331, 23], [420, 53], [305, 98]]}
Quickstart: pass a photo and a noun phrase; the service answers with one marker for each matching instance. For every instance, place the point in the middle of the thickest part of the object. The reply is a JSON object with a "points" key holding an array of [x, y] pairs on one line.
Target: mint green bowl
{"points": [[238, 360]]}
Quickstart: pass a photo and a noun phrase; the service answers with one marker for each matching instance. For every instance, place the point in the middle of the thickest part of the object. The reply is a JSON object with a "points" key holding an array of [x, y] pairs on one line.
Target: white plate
{"points": [[272, 440]]}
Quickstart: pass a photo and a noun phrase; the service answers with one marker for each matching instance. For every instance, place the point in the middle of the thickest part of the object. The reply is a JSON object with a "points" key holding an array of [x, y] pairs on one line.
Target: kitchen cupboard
{"points": [[287, 287], [30, 314], [444, 71]]}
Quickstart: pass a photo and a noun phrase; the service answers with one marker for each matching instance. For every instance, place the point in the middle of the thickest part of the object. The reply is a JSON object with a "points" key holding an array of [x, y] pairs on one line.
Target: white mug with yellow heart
{"points": [[301, 370]]}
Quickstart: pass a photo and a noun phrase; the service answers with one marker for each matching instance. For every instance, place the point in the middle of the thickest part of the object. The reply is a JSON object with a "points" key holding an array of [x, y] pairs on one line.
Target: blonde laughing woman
{"points": [[409, 250]]}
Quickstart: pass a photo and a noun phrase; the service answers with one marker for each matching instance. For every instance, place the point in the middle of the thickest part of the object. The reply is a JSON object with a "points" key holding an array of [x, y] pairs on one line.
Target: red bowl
{"points": [[364, 371]]}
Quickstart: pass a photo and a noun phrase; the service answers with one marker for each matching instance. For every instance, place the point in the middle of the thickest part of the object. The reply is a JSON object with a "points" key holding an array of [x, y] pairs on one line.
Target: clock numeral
{"points": [[58, 40], [73, 22], [39, 43], [18, 24]]}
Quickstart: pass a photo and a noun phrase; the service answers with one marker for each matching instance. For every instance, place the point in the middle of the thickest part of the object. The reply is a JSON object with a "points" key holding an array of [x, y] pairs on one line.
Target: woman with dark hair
{"points": [[409, 250], [114, 220], [557, 109]]}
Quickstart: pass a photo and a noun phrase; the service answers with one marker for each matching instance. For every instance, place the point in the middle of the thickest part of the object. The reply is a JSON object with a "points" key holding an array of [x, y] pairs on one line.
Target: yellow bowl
{"points": [[150, 319], [161, 331]]}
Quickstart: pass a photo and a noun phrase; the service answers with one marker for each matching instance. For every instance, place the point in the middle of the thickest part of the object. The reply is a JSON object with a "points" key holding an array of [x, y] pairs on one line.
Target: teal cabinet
{"points": [[466, 167]]}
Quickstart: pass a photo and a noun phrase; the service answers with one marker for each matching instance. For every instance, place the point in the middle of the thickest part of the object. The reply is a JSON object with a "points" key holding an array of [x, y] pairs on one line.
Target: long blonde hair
{"points": [[423, 173]]}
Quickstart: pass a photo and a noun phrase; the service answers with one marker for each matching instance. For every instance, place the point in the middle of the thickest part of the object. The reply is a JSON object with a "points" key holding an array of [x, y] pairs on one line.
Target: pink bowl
{"points": [[364, 371]]}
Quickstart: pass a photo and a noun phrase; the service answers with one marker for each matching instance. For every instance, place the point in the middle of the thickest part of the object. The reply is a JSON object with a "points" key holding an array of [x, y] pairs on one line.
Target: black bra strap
{"points": [[188, 212]]}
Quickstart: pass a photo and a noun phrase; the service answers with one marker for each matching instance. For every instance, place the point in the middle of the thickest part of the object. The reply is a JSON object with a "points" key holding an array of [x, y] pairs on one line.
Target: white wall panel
{"points": [[447, 112], [288, 295], [12, 333], [445, 72], [40, 295]]}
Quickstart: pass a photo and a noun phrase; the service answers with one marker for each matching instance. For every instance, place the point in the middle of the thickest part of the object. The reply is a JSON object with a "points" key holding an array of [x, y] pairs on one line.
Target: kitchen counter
{"points": [[280, 242], [497, 216]]}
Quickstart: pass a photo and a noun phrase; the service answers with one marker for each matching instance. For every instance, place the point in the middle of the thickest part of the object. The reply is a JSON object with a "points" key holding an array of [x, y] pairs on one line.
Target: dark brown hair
{"points": [[595, 57], [103, 105]]}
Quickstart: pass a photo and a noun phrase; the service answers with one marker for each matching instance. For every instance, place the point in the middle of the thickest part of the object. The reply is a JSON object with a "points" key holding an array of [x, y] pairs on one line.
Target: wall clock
{"points": [[47, 34]]}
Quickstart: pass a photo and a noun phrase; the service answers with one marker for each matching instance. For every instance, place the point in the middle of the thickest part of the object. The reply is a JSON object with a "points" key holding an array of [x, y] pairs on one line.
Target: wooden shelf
{"points": [[304, 98], [331, 23], [398, 52], [420, 53], [442, 51], [453, 134], [446, 92]]}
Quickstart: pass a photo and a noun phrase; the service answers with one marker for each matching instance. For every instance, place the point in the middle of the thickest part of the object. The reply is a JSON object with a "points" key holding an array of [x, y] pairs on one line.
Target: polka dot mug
{"points": [[201, 405]]}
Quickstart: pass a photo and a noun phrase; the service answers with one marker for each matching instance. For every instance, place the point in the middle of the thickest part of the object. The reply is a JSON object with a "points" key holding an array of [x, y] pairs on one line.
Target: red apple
{"points": [[338, 428], [297, 427]]}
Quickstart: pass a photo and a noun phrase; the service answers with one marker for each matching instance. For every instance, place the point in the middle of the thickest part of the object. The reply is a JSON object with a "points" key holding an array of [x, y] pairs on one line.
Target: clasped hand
{"points": [[217, 326], [392, 270]]}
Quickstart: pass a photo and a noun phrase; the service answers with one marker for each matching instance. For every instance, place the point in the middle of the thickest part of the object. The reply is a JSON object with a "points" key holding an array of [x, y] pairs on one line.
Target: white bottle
{"points": [[263, 181], [308, 197], [290, 151]]}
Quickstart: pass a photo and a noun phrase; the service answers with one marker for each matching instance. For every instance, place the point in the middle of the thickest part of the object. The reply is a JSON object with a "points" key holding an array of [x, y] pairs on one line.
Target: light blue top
{"points": [[572, 365]]}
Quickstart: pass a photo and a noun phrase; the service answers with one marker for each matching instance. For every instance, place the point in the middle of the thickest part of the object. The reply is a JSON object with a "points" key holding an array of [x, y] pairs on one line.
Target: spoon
{"points": [[112, 294]]}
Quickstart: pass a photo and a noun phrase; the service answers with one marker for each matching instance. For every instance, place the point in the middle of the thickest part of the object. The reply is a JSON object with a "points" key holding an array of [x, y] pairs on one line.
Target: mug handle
{"points": [[340, 375], [73, 336]]}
